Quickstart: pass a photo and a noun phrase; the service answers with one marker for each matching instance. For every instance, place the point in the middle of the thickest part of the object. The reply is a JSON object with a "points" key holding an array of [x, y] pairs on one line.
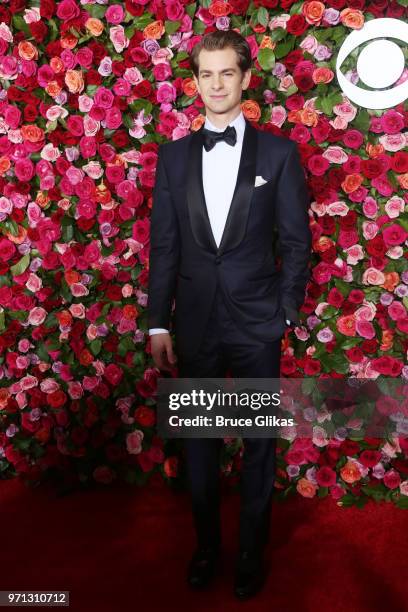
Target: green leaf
{"points": [[266, 58], [2, 320], [262, 16], [362, 121], [402, 502], [283, 48], [95, 10], [21, 266], [96, 346], [171, 26]]}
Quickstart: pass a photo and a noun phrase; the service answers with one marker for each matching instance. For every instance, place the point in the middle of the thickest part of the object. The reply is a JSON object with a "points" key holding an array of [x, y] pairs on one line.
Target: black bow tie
{"points": [[211, 138]]}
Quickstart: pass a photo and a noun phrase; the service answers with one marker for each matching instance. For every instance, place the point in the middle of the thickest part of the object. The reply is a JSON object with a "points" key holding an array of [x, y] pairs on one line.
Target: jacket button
{"points": [[217, 260]]}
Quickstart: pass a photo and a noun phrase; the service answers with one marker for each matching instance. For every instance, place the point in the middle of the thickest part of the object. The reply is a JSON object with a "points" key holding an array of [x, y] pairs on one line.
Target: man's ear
{"points": [[196, 82], [246, 79]]}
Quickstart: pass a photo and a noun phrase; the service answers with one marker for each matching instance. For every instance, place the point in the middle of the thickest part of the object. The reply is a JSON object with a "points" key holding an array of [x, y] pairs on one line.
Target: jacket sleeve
{"points": [[164, 250], [294, 235]]}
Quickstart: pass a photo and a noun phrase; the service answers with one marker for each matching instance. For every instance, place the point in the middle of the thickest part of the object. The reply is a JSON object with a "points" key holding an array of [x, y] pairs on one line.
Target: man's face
{"points": [[220, 80]]}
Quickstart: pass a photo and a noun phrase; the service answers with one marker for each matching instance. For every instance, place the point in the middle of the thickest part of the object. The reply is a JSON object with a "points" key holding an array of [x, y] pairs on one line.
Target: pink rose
{"points": [[104, 97], [394, 234], [392, 122], [12, 115], [24, 169], [318, 165], [68, 9], [392, 479], [365, 329], [134, 442], [114, 14], [113, 118], [37, 316], [396, 310], [370, 207]]}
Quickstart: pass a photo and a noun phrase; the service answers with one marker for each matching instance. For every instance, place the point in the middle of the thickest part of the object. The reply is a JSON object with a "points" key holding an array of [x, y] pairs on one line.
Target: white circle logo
{"points": [[379, 65]]}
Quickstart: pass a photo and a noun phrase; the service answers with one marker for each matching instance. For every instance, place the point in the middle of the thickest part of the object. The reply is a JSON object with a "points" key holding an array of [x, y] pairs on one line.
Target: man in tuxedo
{"points": [[222, 195]]}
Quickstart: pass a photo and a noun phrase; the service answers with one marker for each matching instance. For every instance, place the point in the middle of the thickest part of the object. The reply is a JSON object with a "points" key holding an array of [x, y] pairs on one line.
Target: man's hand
{"points": [[162, 351]]}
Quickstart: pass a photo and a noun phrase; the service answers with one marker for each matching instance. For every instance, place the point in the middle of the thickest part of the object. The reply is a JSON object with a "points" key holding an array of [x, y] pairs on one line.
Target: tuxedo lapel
{"points": [[235, 225]]}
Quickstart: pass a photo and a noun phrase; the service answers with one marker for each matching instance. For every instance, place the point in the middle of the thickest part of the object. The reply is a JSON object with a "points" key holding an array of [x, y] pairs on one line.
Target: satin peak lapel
{"points": [[235, 225]]}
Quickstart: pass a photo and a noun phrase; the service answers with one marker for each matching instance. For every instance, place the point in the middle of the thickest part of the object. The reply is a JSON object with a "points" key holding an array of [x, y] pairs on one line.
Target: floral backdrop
{"points": [[88, 92]]}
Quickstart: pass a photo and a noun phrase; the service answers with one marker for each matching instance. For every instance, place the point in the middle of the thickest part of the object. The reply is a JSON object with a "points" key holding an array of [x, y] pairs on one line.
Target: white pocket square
{"points": [[259, 180]]}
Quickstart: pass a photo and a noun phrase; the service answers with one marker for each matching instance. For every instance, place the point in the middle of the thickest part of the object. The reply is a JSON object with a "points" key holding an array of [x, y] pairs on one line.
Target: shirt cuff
{"points": [[157, 330]]}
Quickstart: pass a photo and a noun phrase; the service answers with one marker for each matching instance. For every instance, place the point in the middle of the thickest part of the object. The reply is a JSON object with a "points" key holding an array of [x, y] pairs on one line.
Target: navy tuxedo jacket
{"points": [[185, 262]]}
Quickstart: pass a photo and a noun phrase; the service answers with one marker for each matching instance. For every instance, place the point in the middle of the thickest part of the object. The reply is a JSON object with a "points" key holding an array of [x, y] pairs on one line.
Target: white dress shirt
{"points": [[220, 171]]}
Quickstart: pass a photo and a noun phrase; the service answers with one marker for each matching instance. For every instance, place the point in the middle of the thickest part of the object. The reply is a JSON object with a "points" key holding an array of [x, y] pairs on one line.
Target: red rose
{"points": [[370, 458], [389, 366], [355, 354], [399, 162], [376, 246], [326, 476], [349, 448], [39, 30], [296, 25], [371, 168], [113, 374], [56, 399]]}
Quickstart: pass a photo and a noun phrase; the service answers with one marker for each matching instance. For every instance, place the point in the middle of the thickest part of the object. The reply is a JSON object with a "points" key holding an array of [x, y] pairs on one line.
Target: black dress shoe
{"points": [[202, 567], [249, 575]]}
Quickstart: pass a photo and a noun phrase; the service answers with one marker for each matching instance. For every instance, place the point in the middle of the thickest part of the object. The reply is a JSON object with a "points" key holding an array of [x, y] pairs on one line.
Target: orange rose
{"points": [[352, 182], [64, 317], [323, 244], [94, 26], [71, 277], [352, 18], [392, 279], [350, 472], [189, 88], [267, 42], [21, 236], [53, 89], [32, 133], [387, 338], [170, 467], [306, 488], [294, 116], [57, 65], [42, 199], [308, 117], [403, 180], [4, 395], [313, 12], [219, 8], [374, 150], [346, 325], [27, 51], [130, 312], [103, 195], [322, 75], [251, 110], [86, 357], [197, 122], [68, 41], [154, 30], [5, 165], [74, 80]]}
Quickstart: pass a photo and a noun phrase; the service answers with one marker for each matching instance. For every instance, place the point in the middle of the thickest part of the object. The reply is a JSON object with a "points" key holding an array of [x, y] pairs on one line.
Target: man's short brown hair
{"points": [[221, 40]]}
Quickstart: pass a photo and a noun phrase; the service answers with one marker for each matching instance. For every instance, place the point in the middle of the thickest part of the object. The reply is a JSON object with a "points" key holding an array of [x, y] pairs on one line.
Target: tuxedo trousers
{"points": [[226, 347]]}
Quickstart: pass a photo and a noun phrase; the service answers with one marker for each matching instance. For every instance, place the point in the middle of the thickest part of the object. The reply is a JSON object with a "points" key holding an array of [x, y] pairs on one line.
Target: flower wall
{"points": [[88, 92]]}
